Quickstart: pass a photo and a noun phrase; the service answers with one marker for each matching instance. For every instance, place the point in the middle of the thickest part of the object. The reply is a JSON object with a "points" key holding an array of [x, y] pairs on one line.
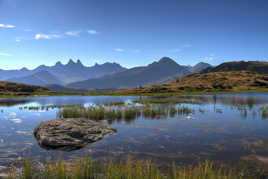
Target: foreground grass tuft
{"points": [[129, 169]]}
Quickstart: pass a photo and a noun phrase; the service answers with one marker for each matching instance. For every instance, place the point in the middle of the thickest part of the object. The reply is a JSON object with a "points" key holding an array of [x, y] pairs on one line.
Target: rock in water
{"points": [[70, 134]]}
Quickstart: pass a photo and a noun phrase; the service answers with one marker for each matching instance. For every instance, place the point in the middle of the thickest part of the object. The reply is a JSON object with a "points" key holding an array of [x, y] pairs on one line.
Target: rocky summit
{"points": [[70, 134]]}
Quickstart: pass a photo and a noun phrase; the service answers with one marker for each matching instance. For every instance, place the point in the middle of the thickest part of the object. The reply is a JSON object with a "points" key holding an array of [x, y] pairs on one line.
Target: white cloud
{"points": [[47, 36], [5, 54], [72, 33], [119, 50], [92, 32], [8, 26]]}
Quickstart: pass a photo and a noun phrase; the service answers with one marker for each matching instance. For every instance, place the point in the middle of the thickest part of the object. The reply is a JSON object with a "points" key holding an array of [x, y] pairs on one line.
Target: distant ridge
{"points": [[74, 76], [200, 66], [255, 66], [59, 73], [40, 78], [165, 67]]}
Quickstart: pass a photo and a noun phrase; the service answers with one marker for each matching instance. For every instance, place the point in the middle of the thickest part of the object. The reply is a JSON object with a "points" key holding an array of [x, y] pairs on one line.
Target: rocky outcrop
{"points": [[70, 134]]}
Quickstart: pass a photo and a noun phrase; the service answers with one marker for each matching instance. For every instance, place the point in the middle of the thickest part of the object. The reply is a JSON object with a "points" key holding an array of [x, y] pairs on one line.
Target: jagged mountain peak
{"points": [[59, 63], [79, 62], [71, 62]]}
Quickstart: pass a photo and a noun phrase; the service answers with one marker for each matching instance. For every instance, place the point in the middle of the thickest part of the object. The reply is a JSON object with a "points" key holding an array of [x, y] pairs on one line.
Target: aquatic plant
{"points": [[264, 112], [201, 111], [34, 108], [172, 111], [127, 113], [131, 112], [183, 110]]}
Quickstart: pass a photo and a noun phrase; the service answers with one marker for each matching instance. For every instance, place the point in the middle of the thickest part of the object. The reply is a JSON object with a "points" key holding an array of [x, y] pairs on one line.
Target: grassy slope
{"points": [[9, 88], [256, 66], [212, 82]]}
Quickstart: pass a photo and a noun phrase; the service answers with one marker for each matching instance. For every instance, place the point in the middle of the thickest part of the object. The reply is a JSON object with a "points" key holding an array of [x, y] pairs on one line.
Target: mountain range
{"points": [[145, 75], [229, 76], [59, 73], [74, 76]]}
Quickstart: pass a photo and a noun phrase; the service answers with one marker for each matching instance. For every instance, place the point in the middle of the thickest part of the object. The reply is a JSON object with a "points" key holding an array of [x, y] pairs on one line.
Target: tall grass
{"points": [[128, 113], [183, 110], [172, 111], [128, 169]]}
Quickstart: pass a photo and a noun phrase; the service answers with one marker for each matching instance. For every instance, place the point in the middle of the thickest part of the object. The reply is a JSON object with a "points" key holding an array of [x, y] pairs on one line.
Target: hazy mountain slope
{"points": [[193, 69], [256, 66], [41, 78], [6, 74], [71, 72], [200, 66], [135, 76]]}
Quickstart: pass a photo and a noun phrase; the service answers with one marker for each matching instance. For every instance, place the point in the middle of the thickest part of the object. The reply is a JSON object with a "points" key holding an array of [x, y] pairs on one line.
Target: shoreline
{"points": [[130, 93]]}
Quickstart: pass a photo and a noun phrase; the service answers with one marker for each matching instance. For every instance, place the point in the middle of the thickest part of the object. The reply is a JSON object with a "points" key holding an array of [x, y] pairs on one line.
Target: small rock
{"points": [[70, 134]]}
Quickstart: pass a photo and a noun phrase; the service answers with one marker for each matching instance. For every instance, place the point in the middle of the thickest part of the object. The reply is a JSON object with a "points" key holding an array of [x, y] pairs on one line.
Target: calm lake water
{"points": [[223, 128]]}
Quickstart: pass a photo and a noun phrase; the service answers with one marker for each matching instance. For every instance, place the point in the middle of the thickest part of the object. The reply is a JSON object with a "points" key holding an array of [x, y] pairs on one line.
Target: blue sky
{"points": [[132, 33]]}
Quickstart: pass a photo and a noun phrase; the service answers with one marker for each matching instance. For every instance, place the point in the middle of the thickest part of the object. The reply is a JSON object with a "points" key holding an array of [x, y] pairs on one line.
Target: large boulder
{"points": [[70, 134]]}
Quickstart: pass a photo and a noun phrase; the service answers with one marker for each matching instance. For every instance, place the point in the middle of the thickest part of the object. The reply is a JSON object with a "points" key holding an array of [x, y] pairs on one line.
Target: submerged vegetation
{"points": [[128, 169]]}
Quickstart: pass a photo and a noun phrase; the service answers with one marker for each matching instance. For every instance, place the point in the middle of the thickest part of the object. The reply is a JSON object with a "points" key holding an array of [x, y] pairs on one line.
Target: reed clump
{"points": [[131, 112], [150, 111], [264, 112], [172, 111], [128, 112], [184, 110]]}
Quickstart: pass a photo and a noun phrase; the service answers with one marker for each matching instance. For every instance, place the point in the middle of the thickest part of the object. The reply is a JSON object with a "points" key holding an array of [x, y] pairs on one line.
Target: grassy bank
{"points": [[88, 169]]}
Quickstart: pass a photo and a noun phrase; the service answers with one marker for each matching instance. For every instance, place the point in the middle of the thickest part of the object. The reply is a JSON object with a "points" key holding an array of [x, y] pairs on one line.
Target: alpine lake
{"points": [[226, 128]]}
